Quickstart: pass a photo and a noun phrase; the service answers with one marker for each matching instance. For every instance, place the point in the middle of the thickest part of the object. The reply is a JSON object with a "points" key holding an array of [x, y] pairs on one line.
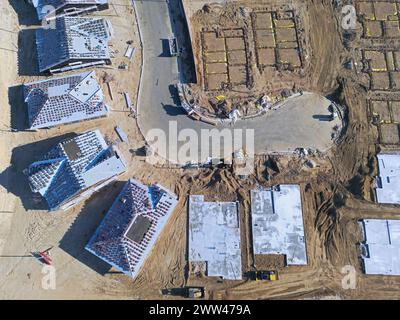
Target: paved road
{"points": [[294, 125]]}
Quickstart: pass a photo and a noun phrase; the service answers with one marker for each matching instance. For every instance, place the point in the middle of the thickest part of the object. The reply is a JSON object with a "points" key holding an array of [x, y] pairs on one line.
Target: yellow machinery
{"points": [[273, 276], [195, 292], [266, 275]]}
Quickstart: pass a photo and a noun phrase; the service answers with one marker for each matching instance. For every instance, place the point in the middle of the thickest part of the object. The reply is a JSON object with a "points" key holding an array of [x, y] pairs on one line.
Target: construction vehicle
{"points": [[195, 292], [273, 276], [220, 105], [217, 101], [263, 275]]}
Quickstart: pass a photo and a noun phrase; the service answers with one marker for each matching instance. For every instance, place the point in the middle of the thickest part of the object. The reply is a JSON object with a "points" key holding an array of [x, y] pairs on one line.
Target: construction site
{"points": [[321, 196], [248, 54]]}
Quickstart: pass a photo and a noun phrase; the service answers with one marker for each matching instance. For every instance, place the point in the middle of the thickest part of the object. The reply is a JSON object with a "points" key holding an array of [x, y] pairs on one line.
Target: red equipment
{"points": [[45, 256]]}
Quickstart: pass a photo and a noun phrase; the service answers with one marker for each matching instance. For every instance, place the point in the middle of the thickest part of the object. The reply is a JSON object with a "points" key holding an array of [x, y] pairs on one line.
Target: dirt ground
{"points": [[247, 49], [336, 192]]}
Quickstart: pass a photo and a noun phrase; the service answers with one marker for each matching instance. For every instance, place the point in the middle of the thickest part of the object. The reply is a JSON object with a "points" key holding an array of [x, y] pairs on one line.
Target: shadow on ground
{"points": [[15, 181], [25, 11], [173, 90], [180, 26], [19, 115], [165, 48], [173, 110], [85, 225], [27, 56]]}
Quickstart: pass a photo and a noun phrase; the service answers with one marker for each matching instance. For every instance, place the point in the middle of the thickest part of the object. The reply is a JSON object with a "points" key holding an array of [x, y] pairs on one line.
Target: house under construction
{"points": [[277, 223], [46, 9], [64, 100], [381, 247], [214, 238], [74, 169], [131, 227], [74, 43], [388, 180]]}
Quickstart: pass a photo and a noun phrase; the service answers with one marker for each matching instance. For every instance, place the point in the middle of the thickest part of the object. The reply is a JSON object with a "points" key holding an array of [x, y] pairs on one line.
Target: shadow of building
{"points": [[15, 181], [26, 12], [173, 90], [27, 55], [19, 113], [165, 53], [173, 110], [181, 28]]}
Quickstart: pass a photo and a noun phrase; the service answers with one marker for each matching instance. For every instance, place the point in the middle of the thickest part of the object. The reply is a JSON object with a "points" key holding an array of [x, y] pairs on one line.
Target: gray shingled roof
{"points": [[43, 5], [131, 227], [73, 39], [72, 166], [64, 100]]}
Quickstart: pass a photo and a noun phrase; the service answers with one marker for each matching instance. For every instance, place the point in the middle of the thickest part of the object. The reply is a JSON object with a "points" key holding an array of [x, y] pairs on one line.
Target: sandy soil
{"points": [[25, 225], [335, 193], [319, 55]]}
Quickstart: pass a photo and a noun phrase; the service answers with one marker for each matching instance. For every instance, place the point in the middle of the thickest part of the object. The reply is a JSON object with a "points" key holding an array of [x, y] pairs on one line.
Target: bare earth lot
{"points": [[335, 193]]}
